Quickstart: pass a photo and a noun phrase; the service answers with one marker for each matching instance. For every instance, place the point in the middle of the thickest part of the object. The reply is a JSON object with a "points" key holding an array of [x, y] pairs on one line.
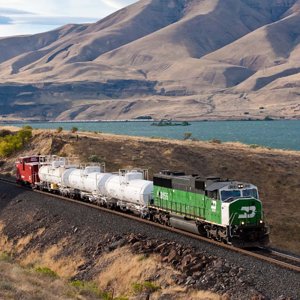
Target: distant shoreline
{"points": [[138, 120]]}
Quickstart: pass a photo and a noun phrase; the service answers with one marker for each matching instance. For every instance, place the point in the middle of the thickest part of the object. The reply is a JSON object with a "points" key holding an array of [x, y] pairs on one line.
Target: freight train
{"points": [[225, 210]]}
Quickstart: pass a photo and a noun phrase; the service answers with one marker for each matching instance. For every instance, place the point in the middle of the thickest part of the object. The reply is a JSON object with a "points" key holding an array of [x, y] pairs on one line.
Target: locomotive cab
{"points": [[242, 213]]}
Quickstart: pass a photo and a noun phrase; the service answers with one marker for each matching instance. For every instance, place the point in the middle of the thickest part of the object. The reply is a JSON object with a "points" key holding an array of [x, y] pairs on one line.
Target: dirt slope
{"points": [[275, 172]]}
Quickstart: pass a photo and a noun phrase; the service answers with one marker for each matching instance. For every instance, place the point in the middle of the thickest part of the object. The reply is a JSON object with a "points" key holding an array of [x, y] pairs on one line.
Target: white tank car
{"points": [[89, 179], [131, 188], [52, 173]]}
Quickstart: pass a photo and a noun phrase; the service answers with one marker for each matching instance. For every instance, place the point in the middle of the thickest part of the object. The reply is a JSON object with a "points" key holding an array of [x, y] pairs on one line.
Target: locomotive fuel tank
{"points": [[130, 188]]}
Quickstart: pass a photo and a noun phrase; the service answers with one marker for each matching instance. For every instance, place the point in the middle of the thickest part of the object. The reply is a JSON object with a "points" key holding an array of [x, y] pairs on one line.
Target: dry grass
{"points": [[41, 276], [64, 267], [141, 273], [120, 277], [10, 128], [32, 284], [5, 245], [17, 282]]}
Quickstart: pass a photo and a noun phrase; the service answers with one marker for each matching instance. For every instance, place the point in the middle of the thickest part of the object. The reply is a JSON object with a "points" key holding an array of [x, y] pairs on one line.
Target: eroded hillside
{"points": [[176, 58]]}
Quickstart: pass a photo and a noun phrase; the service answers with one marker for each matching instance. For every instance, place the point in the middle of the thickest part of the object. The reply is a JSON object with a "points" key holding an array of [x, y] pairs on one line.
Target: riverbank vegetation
{"points": [[11, 142]]}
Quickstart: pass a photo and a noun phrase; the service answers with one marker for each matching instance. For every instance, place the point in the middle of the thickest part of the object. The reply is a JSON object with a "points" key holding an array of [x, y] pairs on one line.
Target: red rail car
{"points": [[27, 169]]}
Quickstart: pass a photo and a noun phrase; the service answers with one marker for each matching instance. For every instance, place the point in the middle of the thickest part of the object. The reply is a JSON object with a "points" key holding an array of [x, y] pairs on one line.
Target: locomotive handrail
{"points": [[232, 217], [177, 207]]}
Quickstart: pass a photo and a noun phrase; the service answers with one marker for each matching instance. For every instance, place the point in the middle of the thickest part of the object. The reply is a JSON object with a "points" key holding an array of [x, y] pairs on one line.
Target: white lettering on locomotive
{"points": [[213, 205], [164, 196], [249, 212]]}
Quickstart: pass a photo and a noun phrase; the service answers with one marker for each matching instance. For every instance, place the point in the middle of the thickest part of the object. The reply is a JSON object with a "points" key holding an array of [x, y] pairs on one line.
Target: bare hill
{"points": [[186, 59]]}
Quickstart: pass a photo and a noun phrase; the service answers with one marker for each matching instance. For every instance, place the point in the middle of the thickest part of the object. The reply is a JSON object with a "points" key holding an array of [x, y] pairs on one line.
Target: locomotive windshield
{"points": [[232, 194], [250, 193]]}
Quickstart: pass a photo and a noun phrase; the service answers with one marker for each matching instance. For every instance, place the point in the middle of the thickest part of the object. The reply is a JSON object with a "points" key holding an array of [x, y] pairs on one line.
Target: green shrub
{"points": [[7, 286], [25, 134], [137, 287], [46, 271], [95, 158], [59, 129], [150, 286], [14, 142], [254, 146], [143, 257], [78, 284], [215, 141], [107, 296], [268, 118], [4, 256], [187, 135], [74, 129], [88, 287], [146, 286]]}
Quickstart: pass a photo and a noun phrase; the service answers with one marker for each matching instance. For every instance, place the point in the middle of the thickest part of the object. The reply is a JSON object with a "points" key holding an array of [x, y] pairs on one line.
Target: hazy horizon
{"points": [[18, 17]]}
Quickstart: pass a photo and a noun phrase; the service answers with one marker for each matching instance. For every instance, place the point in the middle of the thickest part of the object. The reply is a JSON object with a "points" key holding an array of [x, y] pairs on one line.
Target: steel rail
{"points": [[284, 255], [276, 253], [262, 257]]}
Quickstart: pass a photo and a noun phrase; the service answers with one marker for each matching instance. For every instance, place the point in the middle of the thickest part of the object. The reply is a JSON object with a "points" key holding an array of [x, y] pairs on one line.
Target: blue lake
{"points": [[281, 134]]}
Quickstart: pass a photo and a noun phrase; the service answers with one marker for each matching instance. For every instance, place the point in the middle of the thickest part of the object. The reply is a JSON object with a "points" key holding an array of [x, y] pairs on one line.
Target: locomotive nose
{"points": [[246, 212]]}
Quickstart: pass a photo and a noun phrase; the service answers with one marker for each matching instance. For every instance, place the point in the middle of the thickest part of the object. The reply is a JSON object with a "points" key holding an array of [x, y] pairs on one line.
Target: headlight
{"points": [[261, 221], [243, 223]]}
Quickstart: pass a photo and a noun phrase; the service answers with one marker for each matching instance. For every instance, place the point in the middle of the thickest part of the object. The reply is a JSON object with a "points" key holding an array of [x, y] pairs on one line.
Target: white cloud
{"points": [[12, 11], [40, 15], [113, 4]]}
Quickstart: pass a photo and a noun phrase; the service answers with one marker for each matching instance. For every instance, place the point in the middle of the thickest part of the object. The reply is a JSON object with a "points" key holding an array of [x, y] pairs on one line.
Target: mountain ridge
{"points": [[198, 59]]}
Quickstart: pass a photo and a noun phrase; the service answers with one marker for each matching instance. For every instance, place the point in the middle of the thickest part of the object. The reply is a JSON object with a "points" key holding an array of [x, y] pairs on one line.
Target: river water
{"points": [[283, 134]]}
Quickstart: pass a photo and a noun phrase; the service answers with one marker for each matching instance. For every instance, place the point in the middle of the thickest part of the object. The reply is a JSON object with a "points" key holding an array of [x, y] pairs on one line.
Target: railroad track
{"points": [[276, 254], [269, 255]]}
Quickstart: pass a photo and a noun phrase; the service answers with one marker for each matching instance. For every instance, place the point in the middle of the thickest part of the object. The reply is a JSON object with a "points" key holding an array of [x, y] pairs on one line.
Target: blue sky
{"points": [[19, 17]]}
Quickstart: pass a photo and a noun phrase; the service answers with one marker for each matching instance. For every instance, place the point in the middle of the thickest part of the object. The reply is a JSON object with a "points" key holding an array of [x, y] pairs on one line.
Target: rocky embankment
{"points": [[127, 258]]}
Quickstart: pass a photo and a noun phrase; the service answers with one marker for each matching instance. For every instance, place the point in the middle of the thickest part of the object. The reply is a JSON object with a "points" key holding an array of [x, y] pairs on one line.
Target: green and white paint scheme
{"points": [[235, 203]]}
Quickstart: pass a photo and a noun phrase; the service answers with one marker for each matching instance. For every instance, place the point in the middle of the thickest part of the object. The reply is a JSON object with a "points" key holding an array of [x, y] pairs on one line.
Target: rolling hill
{"points": [[184, 59]]}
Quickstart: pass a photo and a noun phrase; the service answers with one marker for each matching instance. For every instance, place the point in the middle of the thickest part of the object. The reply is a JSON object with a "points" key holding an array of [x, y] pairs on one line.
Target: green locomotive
{"points": [[225, 210]]}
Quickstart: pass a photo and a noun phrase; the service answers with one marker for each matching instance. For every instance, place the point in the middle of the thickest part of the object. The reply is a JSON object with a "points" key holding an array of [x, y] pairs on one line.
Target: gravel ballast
{"points": [[23, 212]]}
